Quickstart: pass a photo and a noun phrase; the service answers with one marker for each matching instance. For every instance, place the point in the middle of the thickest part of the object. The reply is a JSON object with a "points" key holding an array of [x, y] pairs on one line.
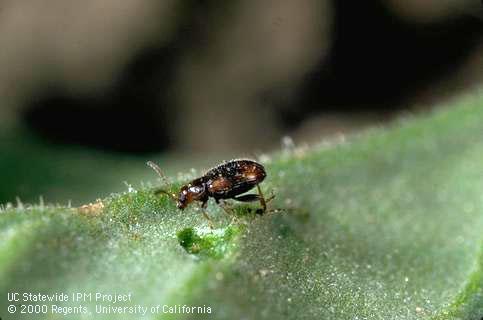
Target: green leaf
{"points": [[387, 225]]}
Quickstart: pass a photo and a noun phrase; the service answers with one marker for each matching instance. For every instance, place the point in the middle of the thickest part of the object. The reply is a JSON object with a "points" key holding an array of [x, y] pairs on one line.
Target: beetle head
{"points": [[188, 194]]}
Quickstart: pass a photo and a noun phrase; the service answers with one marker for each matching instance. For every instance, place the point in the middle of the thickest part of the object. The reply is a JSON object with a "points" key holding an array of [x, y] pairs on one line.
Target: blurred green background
{"points": [[89, 91]]}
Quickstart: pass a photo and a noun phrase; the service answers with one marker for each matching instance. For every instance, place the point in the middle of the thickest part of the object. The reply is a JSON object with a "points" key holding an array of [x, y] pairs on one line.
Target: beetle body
{"points": [[226, 181]]}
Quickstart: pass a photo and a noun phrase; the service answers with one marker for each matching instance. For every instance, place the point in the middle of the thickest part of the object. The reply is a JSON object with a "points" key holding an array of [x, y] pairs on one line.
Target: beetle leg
{"points": [[247, 198], [228, 208], [204, 204], [207, 217], [263, 201], [256, 197], [225, 206]]}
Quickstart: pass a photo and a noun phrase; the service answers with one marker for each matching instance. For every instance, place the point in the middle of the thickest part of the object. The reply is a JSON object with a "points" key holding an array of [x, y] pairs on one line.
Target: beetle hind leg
{"points": [[263, 202], [256, 197], [247, 198]]}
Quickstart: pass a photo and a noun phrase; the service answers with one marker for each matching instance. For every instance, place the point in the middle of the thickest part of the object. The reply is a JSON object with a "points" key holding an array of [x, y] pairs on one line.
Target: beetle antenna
{"points": [[156, 168]]}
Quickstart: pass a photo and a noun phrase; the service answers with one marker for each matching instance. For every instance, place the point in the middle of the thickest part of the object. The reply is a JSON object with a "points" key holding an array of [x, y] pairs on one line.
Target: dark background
{"points": [[90, 90]]}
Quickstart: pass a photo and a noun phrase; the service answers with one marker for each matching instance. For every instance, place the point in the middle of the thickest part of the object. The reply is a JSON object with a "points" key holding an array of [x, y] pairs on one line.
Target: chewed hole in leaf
{"points": [[208, 243]]}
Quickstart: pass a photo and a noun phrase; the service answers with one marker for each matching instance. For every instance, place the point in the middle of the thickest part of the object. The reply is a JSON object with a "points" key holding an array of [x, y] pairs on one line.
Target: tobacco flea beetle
{"points": [[228, 180]]}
